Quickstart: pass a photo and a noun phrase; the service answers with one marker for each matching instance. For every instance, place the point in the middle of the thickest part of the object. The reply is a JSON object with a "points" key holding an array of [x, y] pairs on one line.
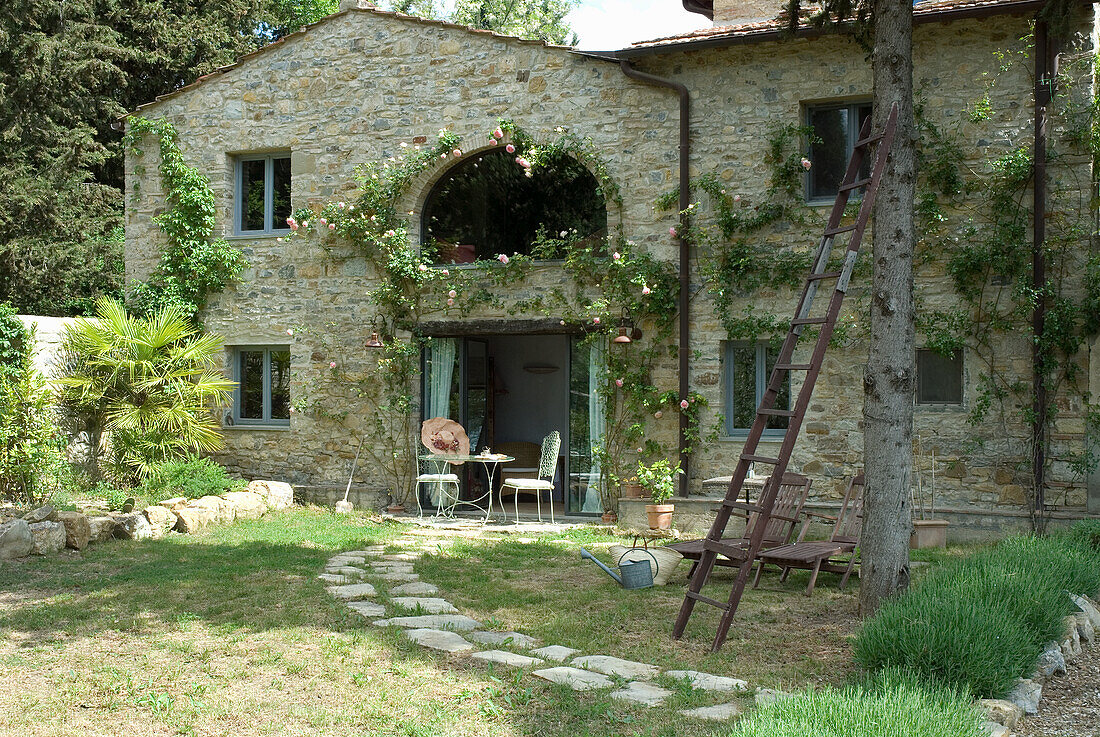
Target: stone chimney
{"points": [[736, 12]]}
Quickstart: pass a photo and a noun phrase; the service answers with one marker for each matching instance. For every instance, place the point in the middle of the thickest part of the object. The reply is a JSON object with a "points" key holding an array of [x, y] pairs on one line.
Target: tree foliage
{"points": [[541, 19]]}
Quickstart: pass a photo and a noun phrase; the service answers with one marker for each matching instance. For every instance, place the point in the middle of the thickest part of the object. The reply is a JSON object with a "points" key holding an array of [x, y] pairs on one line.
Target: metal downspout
{"points": [[684, 348]]}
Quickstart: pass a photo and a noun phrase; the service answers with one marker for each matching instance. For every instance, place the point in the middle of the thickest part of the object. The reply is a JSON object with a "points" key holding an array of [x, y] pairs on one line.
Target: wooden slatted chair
{"points": [[822, 555], [786, 514]]}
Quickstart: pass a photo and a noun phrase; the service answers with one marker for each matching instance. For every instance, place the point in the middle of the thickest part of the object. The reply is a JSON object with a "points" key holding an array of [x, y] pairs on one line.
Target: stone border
{"points": [[45, 530]]}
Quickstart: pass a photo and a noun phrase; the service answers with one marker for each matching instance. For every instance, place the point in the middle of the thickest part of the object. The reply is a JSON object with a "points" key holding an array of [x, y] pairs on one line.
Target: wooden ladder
{"points": [[761, 512]]}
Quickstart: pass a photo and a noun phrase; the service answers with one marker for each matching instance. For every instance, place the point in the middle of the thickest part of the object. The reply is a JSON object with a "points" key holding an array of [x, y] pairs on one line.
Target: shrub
{"points": [[14, 339], [888, 705], [981, 622], [192, 478], [1085, 532]]}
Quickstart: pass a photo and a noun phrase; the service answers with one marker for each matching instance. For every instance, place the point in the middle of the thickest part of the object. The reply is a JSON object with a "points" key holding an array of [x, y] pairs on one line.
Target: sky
{"points": [[603, 25]]}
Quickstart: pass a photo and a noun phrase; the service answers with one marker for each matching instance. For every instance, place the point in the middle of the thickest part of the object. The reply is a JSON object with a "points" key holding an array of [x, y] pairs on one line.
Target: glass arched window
{"points": [[487, 205]]}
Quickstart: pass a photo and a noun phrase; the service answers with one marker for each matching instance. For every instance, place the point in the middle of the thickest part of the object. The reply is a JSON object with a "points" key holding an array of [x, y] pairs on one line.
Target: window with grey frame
{"points": [[746, 370], [263, 385], [262, 202], [939, 377], [836, 130]]}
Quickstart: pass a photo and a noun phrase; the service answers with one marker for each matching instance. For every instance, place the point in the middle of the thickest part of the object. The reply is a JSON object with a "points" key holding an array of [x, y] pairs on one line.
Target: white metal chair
{"points": [[548, 468], [432, 473]]}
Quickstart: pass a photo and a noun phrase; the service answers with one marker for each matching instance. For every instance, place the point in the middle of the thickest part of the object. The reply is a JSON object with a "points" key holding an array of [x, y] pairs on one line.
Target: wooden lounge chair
{"points": [[821, 555], [786, 514]]}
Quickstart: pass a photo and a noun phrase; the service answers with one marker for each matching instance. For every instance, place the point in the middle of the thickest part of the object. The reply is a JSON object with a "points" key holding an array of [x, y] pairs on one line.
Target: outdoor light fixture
{"points": [[375, 340], [628, 333]]}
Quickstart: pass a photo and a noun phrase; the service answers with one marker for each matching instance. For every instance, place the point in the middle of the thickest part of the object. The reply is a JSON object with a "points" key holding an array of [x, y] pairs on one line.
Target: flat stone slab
{"points": [[448, 642], [367, 608], [575, 678], [404, 568], [366, 553], [506, 658], [708, 682], [453, 622], [717, 713], [613, 666], [515, 639], [416, 588], [350, 571], [343, 560], [353, 591], [555, 652], [398, 577], [401, 557], [428, 604], [640, 692], [335, 578]]}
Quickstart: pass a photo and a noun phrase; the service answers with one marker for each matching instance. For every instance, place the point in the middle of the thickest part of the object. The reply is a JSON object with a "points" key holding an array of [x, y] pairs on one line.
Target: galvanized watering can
{"points": [[635, 574]]}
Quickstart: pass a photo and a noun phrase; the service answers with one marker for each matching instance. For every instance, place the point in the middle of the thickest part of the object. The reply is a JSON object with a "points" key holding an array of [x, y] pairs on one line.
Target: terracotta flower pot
{"points": [[609, 518], [396, 509], [660, 516], [631, 490], [928, 533]]}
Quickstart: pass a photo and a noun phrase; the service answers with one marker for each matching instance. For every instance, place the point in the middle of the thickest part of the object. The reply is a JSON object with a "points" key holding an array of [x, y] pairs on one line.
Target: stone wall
{"points": [[352, 88]]}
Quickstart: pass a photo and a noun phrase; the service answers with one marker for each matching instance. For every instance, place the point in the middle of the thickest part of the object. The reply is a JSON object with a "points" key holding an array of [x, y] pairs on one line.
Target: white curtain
{"points": [[439, 380], [597, 417]]}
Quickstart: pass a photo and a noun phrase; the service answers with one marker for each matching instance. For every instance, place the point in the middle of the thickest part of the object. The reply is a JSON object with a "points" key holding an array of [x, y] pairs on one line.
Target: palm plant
{"points": [[151, 383]]}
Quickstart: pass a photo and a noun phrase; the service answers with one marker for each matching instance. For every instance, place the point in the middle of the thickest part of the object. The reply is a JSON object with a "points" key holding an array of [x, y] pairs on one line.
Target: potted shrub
{"points": [[659, 480], [631, 489]]}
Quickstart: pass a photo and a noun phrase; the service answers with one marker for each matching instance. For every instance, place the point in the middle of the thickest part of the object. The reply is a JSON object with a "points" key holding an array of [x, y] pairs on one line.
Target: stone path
{"points": [[433, 622], [1071, 702]]}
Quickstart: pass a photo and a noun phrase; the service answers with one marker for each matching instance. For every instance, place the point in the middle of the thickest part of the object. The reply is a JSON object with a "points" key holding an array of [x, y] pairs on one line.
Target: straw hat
{"points": [[444, 437]]}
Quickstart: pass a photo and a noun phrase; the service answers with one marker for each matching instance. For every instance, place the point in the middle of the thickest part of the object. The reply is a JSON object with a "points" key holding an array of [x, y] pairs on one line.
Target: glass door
{"points": [[587, 371]]}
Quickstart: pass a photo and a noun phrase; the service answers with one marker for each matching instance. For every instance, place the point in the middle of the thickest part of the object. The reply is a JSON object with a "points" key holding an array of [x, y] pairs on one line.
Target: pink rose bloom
{"points": [[322, 221], [616, 256], [332, 226], [443, 156], [291, 222], [595, 321], [423, 267], [450, 303], [618, 382], [446, 272], [561, 322], [457, 152], [294, 226], [672, 231], [341, 205], [278, 240], [452, 294], [523, 162], [502, 258], [498, 133], [510, 148], [806, 164], [737, 198], [493, 142], [683, 404], [332, 364], [292, 410], [645, 290], [289, 331], [391, 233], [658, 415]]}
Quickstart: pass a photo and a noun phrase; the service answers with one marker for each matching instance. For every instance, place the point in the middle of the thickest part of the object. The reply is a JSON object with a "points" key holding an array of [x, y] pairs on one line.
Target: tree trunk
{"points": [[890, 375]]}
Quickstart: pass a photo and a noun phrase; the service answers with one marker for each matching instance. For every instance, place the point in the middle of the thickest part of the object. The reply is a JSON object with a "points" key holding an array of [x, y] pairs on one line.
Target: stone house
{"points": [[285, 127]]}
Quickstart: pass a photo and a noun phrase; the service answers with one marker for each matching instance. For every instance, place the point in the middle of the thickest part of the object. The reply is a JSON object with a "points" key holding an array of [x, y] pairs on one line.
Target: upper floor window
{"points": [[487, 205], [939, 377], [262, 194], [263, 385], [836, 129], [747, 367]]}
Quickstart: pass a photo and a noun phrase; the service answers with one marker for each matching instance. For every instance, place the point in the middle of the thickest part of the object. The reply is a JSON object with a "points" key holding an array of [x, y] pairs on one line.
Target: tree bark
{"points": [[890, 374]]}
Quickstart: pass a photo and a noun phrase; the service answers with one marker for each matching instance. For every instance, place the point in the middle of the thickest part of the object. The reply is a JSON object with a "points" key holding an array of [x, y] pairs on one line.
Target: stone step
{"points": [[454, 622], [613, 666], [506, 658], [575, 678], [555, 652], [513, 639], [708, 682], [448, 642], [352, 591], [416, 588], [367, 609], [640, 692], [427, 604]]}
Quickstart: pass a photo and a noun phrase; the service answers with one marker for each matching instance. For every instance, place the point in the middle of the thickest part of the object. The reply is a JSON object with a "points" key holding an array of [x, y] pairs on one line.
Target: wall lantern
{"points": [[628, 333], [375, 340]]}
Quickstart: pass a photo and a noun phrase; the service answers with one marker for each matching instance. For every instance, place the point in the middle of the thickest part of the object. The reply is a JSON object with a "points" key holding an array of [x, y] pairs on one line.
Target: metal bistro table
{"points": [[489, 462]]}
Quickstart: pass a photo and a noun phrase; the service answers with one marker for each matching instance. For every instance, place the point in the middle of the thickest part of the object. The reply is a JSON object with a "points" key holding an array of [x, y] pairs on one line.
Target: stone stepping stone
{"points": [[342, 561], [401, 557], [506, 658], [398, 577], [575, 678], [417, 588], [640, 692], [616, 666], [372, 552], [346, 571], [335, 578], [428, 604], [717, 713], [392, 568], [708, 682], [367, 608], [454, 622], [353, 591], [448, 642], [555, 652], [514, 639]]}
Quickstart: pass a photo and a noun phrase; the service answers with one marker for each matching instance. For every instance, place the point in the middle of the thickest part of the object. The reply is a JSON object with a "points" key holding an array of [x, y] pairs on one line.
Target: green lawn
{"points": [[230, 633]]}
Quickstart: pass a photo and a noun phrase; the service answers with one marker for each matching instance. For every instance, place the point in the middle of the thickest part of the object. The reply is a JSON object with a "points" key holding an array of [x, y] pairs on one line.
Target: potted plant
{"points": [[631, 489], [659, 480], [928, 532]]}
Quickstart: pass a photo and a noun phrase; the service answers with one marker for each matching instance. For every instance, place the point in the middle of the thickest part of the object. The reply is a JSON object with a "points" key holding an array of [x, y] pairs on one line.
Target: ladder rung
{"points": [[809, 321], [824, 275], [793, 367], [707, 600], [841, 229], [742, 506], [760, 459], [869, 139], [776, 412], [733, 552], [855, 185]]}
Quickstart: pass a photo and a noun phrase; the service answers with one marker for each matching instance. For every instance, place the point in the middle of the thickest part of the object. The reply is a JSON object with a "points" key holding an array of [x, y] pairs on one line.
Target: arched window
{"points": [[487, 205]]}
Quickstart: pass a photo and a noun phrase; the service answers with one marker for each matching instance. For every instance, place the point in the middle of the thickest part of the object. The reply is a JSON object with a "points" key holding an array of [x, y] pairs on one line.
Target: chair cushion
{"points": [[424, 477], [529, 484]]}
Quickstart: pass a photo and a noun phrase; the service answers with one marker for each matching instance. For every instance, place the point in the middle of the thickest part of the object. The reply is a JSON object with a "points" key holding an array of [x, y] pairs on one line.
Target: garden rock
{"points": [[995, 730], [77, 530], [1071, 642], [49, 537], [1085, 631], [642, 693], [513, 639], [224, 512], [708, 682], [717, 713], [175, 502], [160, 519], [398, 577], [1051, 661], [334, 578], [101, 528], [276, 494], [353, 591], [430, 605], [575, 678], [613, 666], [191, 519], [416, 588], [1001, 711], [506, 658], [43, 513], [559, 653], [16, 539], [454, 622], [1087, 607], [448, 642], [249, 504], [367, 608], [132, 526], [1026, 694]]}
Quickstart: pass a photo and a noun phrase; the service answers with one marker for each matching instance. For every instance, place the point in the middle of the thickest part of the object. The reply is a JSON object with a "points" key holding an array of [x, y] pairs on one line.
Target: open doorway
{"points": [[509, 392]]}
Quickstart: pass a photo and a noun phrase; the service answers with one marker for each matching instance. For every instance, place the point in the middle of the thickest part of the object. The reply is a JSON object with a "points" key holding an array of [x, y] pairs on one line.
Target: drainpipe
{"points": [[684, 348], [1046, 70]]}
